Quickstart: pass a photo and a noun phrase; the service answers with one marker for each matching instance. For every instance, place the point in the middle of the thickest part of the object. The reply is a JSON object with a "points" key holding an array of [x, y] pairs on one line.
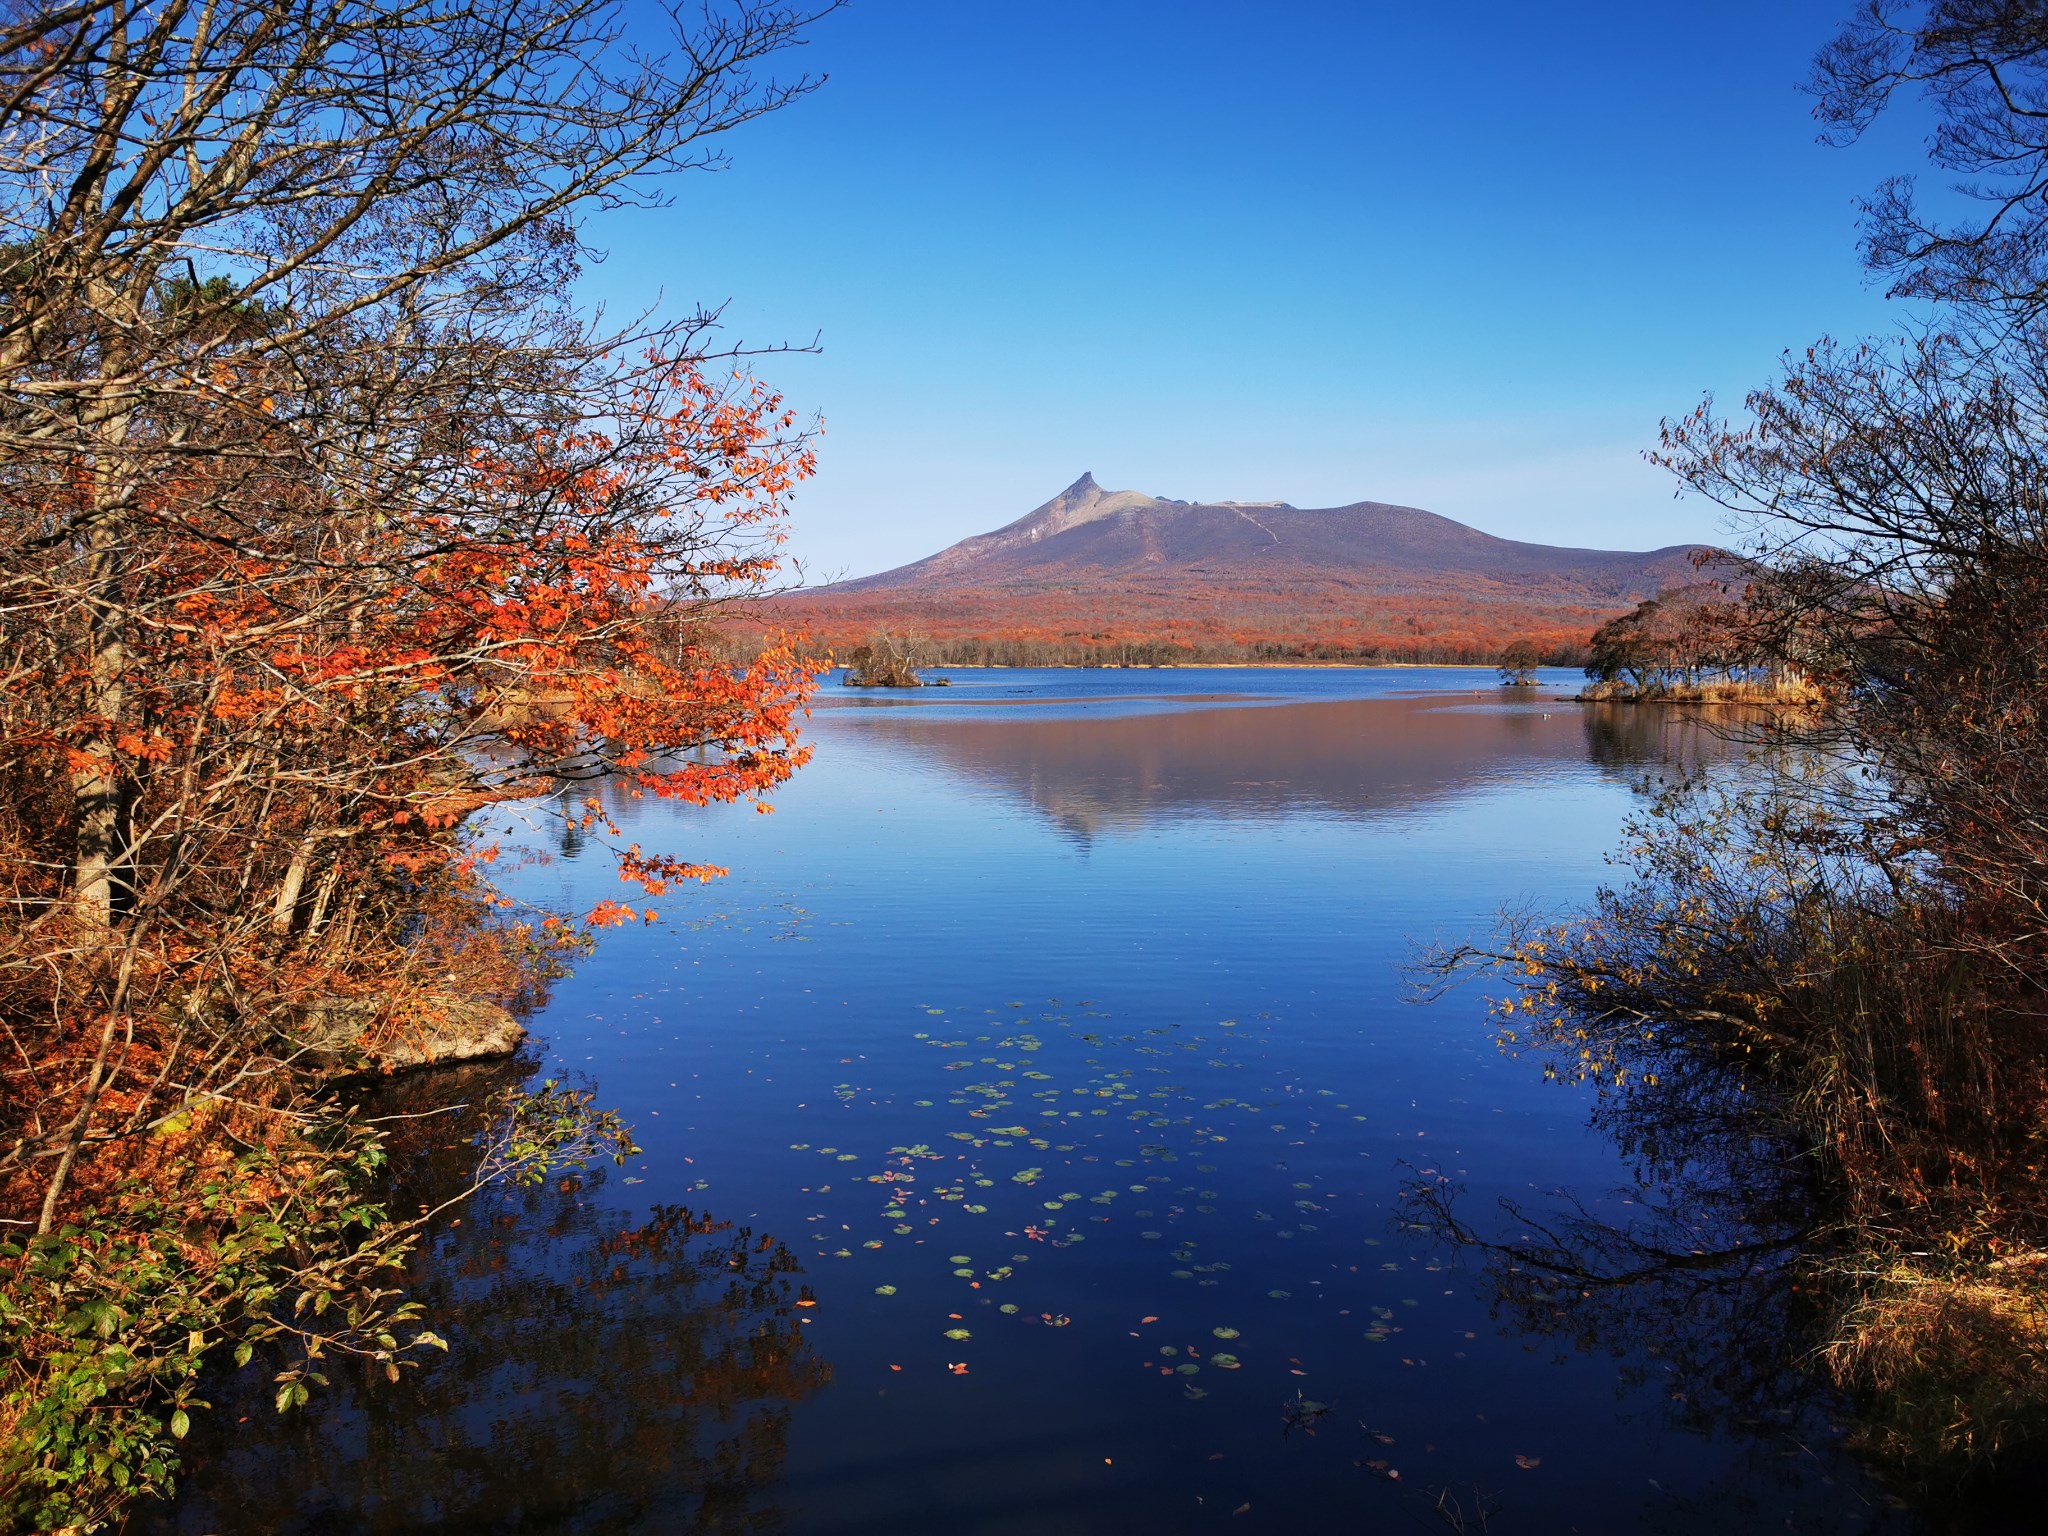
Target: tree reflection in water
{"points": [[1689, 1275], [605, 1373]]}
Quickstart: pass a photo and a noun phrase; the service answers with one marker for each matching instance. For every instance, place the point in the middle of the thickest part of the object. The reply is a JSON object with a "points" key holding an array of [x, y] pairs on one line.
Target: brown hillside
{"points": [[1096, 569]]}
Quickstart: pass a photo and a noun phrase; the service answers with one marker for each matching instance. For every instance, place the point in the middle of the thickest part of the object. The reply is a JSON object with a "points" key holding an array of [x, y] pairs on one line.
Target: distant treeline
{"points": [[1102, 651]]}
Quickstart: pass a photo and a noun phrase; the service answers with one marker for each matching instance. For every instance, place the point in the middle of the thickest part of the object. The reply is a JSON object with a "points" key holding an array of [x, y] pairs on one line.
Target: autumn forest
{"points": [[364, 588]]}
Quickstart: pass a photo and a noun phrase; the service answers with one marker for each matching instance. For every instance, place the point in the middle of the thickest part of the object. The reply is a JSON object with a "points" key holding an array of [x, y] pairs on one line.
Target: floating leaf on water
{"points": [[1187, 1368], [1008, 1309], [1194, 1394], [885, 1290], [964, 1274], [957, 1334], [799, 1146], [1280, 1295], [959, 1258], [1169, 1349], [1225, 1362], [1225, 1333], [978, 1210]]}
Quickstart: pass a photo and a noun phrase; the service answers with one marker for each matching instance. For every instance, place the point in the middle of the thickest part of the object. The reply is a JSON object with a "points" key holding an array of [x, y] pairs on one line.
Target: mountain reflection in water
{"points": [[1097, 776]]}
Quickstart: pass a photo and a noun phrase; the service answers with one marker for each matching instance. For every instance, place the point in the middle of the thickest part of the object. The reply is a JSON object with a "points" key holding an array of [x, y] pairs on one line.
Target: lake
{"points": [[1026, 1123]]}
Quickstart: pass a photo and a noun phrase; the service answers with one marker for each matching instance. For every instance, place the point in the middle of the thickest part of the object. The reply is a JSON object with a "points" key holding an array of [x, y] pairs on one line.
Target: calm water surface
{"points": [[1026, 1121]]}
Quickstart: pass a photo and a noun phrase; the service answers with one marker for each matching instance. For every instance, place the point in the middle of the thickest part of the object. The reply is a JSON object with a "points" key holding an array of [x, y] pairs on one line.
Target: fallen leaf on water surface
{"points": [[1528, 1463], [956, 1334]]}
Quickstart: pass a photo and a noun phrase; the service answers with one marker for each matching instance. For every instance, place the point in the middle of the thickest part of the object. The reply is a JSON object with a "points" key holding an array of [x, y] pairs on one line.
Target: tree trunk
{"points": [[102, 883]]}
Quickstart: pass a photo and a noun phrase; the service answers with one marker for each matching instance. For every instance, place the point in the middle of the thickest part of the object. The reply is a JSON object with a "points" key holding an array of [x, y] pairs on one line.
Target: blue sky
{"points": [[1463, 257]]}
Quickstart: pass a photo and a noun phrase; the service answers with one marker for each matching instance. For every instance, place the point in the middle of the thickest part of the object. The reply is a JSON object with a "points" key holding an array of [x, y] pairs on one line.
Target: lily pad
{"points": [[1225, 1333], [957, 1334], [1225, 1362]]}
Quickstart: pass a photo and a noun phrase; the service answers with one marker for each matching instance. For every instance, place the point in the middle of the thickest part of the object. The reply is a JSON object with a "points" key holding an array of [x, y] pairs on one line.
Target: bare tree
{"points": [[1981, 66]]}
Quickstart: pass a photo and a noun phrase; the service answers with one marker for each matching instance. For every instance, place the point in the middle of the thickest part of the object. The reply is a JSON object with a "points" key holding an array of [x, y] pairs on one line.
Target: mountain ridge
{"points": [[1099, 566]]}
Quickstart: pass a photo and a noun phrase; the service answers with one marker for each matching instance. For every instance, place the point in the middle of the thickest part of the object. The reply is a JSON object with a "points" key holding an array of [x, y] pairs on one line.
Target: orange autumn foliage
{"points": [[312, 703]]}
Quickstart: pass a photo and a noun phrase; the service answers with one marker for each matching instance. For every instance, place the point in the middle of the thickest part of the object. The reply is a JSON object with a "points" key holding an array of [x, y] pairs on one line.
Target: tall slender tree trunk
{"points": [[101, 791]]}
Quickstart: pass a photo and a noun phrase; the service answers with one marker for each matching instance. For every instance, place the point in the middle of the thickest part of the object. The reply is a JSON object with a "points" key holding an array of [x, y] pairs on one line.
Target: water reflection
{"points": [[1215, 1089], [1095, 776], [1692, 1265], [606, 1372]]}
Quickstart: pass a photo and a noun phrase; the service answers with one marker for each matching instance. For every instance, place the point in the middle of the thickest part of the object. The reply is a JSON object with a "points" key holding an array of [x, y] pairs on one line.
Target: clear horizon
{"points": [[1459, 263]]}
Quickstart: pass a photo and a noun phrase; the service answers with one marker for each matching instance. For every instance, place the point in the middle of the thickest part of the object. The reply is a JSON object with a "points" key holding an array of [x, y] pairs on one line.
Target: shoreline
{"points": [[1215, 666]]}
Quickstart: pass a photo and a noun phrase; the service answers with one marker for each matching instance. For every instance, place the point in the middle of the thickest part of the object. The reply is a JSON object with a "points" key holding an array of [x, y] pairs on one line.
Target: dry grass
{"points": [[1791, 690], [1952, 1366]]}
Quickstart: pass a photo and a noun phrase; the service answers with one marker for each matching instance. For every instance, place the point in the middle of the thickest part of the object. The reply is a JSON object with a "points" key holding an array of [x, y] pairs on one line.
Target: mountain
{"points": [[1101, 570]]}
